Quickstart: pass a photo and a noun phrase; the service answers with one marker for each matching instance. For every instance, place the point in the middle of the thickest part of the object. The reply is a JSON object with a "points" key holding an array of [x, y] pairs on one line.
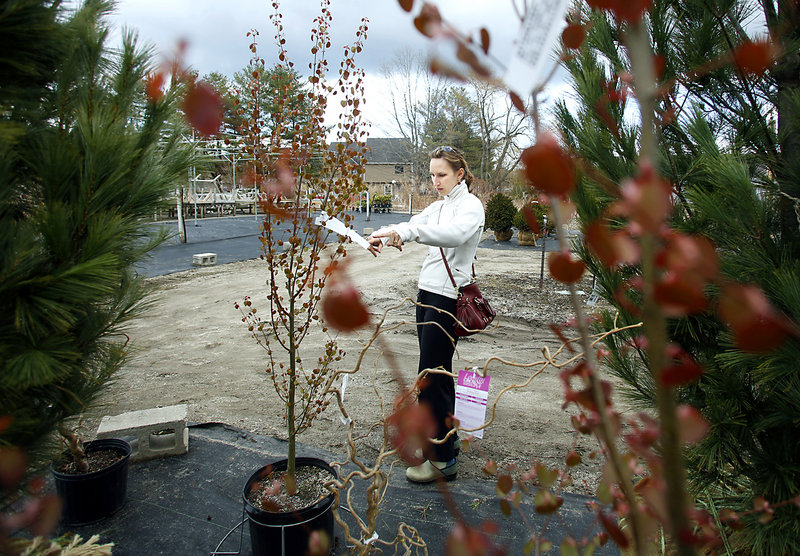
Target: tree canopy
{"points": [[275, 96], [86, 160]]}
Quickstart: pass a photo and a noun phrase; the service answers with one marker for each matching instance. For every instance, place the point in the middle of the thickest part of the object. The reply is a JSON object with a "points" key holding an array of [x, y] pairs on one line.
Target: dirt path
{"points": [[191, 347]]}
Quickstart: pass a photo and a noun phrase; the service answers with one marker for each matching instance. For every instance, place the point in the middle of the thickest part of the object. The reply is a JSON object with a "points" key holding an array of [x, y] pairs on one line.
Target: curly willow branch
{"points": [[406, 537], [549, 361], [364, 539]]}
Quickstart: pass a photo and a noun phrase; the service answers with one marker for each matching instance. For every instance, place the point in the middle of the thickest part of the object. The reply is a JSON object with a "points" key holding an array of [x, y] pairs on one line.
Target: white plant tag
{"points": [[534, 45], [472, 395], [345, 380], [336, 225]]}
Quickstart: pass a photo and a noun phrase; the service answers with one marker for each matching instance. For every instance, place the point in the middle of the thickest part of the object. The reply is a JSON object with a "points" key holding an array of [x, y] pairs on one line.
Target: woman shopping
{"points": [[452, 228]]}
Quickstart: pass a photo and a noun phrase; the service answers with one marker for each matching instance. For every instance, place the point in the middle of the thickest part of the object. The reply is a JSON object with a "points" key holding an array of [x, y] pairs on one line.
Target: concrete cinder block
{"points": [[152, 433], [368, 231], [204, 259]]}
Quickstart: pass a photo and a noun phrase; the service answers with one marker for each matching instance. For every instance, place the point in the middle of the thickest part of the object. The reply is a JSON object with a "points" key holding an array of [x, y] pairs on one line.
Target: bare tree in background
{"points": [[416, 95], [503, 130], [425, 107]]}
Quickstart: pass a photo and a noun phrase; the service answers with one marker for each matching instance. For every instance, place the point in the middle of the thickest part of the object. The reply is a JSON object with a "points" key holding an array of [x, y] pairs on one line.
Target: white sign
{"points": [[336, 225], [533, 48], [472, 395]]}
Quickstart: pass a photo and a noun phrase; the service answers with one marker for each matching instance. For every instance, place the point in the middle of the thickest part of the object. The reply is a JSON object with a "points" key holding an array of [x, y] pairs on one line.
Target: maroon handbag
{"points": [[473, 311]]}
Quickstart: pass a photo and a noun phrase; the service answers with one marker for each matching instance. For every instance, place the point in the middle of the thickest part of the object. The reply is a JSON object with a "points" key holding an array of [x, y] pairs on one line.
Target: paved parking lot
{"points": [[235, 238]]}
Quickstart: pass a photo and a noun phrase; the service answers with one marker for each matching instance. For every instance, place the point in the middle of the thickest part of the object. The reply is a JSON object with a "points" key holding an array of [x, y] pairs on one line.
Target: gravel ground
{"points": [[191, 347]]}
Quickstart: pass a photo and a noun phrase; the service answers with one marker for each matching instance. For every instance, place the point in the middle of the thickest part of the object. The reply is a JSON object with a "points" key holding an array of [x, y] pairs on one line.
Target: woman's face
{"points": [[444, 177]]}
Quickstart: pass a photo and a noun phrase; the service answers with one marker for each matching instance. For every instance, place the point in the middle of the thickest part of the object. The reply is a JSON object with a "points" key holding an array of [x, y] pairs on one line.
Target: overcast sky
{"points": [[216, 32]]}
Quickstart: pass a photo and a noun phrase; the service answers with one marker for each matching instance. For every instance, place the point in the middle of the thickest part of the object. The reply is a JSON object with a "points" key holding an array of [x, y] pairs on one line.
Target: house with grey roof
{"points": [[388, 165], [390, 171], [388, 162]]}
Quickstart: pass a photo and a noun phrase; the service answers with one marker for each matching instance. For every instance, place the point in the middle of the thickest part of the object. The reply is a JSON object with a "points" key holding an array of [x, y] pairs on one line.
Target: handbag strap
{"points": [[450, 274], [444, 259]]}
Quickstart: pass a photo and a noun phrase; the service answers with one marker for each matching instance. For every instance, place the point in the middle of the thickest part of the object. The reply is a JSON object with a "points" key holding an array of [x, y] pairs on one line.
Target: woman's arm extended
{"points": [[468, 219]]}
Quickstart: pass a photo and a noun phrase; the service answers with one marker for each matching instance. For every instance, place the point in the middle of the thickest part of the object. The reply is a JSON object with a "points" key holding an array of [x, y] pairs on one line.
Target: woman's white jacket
{"points": [[454, 223]]}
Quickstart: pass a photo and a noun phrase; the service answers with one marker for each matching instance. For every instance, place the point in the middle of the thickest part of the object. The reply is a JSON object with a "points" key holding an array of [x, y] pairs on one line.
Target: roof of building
{"points": [[386, 150]]}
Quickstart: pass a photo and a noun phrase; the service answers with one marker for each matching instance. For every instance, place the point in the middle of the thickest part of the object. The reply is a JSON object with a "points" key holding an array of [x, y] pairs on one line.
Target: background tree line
{"points": [[475, 116], [427, 111]]}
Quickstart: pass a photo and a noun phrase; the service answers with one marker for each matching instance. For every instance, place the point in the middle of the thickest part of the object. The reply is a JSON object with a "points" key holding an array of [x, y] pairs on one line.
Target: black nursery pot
{"points": [[287, 533], [90, 497]]}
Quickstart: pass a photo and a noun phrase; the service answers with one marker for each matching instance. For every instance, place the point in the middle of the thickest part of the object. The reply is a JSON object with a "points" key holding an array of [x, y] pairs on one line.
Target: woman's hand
{"points": [[384, 237]]}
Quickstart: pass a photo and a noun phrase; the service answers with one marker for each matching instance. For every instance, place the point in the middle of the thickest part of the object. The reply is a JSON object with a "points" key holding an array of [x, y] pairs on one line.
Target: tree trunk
{"points": [[788, 78], [291, 472]]}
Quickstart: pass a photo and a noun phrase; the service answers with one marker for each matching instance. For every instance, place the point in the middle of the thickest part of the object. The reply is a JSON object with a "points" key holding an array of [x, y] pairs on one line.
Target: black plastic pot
{"points": [[287, 533], [90, 497]]}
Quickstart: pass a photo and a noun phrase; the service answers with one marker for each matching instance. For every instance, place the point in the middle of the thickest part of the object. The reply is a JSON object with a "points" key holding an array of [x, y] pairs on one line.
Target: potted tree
{"points": [[378, 203], [91, 478], [527, 235], [80, 185], [500, 211], [383, 203], [286, 501]]}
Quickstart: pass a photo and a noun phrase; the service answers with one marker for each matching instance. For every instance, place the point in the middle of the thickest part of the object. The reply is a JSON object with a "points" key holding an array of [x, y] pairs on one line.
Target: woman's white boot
{"points": [[429, 471]]}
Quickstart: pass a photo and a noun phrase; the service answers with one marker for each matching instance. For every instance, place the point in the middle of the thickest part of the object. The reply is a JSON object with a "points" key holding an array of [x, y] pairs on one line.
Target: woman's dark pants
{"points": [[436, 349]]}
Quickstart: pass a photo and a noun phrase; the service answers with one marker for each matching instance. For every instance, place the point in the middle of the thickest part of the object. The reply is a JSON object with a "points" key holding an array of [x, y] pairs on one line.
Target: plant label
{"points": [[472, 394], [336, 225], [533, 49]]}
